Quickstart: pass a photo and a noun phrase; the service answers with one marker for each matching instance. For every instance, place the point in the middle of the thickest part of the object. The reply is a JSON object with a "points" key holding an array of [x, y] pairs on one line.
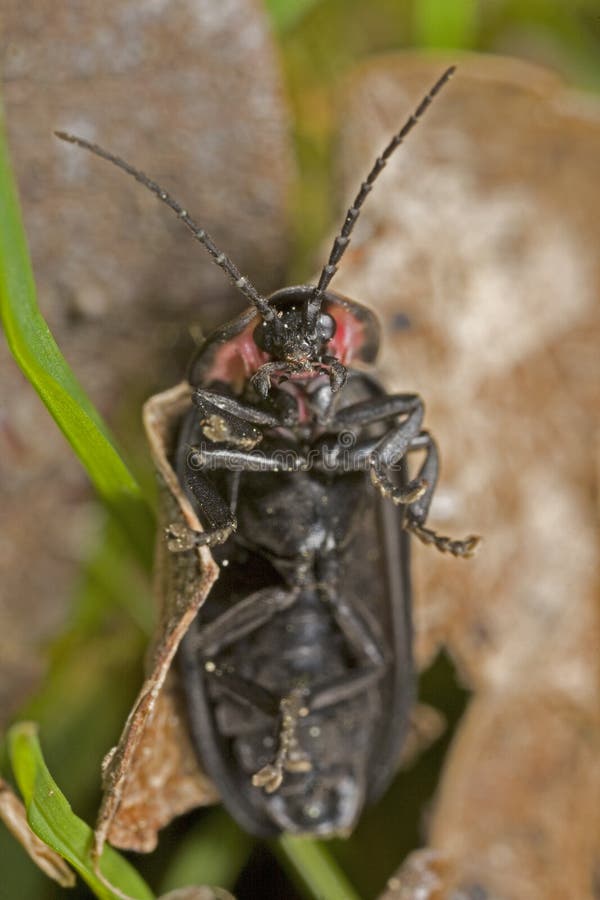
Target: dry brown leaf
{"points": [[154, 735], [14, 816], [163, 780]]}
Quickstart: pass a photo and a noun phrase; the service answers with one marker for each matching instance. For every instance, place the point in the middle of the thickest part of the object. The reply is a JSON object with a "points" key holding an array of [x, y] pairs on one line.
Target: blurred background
{"points": [[479, 251]]}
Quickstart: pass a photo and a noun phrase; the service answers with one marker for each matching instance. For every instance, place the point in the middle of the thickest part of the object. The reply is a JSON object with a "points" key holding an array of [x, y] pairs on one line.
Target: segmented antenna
{"points": [[222, 260], [341, 242]]}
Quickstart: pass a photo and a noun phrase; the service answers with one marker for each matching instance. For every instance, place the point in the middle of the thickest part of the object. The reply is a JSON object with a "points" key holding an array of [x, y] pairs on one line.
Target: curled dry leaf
{"points": [[482, 260], [163, 780], [152, 774], [421, 878], [14, 816]]}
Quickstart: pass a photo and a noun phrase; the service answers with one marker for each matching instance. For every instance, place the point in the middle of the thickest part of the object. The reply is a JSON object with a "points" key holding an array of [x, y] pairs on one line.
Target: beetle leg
{"points": [[368, 412], [208, 500], [337, 373], [398, 494], [261, 380], [242, 619], [345, 687], [244, 411], [283, 412], [358, 631], [418, 510], [221, 521], [361, 636], [465, 547], [236, 460], [263, 703], [227, 420], [290, 757], [391, 449]]}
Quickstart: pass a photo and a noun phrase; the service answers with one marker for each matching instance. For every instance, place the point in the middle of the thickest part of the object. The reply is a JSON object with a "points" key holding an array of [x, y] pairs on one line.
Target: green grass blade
{"points": [[52, 819], [213, 853], [36, 352], [445, 24], [312, 866], [285, 15]]}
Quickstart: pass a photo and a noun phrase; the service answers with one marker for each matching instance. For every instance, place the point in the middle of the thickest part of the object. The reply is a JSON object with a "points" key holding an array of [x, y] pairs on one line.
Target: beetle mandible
{"points": [[298, 671]]}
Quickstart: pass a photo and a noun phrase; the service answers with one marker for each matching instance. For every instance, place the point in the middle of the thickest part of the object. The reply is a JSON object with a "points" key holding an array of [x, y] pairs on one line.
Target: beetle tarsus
{"points": [[464, 548], [180, 538]]}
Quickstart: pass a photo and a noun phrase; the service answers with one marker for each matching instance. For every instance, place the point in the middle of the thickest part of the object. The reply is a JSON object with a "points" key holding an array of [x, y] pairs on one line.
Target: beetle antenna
{"points": [[313, 306], [222, 260]]}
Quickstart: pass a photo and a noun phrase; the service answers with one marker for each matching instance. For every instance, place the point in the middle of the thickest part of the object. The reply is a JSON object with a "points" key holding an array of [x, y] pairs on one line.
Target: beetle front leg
{"points": [[228, 420]]}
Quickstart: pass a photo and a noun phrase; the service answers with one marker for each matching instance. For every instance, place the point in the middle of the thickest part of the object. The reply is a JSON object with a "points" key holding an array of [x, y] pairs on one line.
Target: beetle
{"points": [[298, 672]]}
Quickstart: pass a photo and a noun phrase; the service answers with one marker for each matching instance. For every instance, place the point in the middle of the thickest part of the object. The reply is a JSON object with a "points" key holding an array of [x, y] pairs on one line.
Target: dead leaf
{"points": [[14, 816], [182, 583]]}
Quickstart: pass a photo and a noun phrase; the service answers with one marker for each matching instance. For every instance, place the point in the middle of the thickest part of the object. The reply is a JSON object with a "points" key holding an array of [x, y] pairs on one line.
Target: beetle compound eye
{"points": [[263, 337], [327, 327]]}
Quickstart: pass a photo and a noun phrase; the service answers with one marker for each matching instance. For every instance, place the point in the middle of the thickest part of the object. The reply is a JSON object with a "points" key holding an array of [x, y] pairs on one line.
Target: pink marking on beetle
{"points": [[237, 359], [349, 334]]}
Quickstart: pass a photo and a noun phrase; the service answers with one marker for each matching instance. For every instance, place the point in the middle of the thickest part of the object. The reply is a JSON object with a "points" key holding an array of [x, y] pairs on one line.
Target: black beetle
{"points": [[298, 671]]}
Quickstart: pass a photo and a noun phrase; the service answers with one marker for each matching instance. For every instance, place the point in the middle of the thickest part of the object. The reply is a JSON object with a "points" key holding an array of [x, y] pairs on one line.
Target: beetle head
{"points": [[287, 338], [295, 349]]}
